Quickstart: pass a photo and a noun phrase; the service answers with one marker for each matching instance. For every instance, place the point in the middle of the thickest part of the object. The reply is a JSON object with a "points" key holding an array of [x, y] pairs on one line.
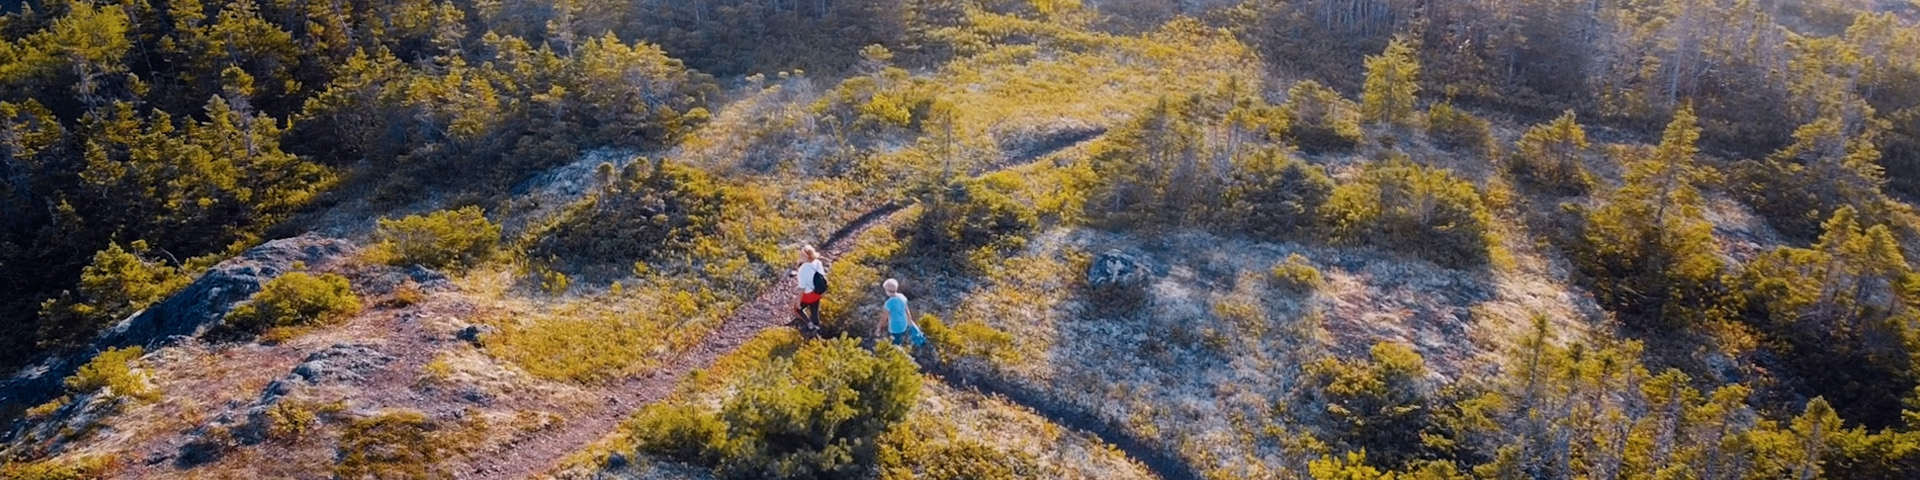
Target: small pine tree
{"points": [[118, 283], [1548, 156], [1393, 79]]}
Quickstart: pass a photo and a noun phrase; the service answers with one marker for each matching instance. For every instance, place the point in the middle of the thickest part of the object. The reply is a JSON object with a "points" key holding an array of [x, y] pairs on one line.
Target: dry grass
{"points": [[599, 337]]}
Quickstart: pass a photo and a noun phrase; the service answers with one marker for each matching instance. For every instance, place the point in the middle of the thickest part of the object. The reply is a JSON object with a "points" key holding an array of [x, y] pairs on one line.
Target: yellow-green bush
{"points": [[967, 340], [401, 444], [1296, 274], [120, 281], [1322, 119], [1246, 316], [113, 371], [1456, 129], [682, 432], [1402, 206], [85, 468], [1378, 405], [814, 415], [296, 299], [289, 422], [904, 459], [871, 103], [968, 216], [1273, 195], [447, 238]]}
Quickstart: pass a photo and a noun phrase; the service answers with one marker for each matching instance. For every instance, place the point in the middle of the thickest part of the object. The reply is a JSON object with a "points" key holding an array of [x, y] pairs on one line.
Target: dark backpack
{"points": [[820, 282]]}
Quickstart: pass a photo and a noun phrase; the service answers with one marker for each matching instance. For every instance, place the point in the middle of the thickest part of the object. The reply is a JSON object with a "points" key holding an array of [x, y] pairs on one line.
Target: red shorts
{"points": [[809, 298]]}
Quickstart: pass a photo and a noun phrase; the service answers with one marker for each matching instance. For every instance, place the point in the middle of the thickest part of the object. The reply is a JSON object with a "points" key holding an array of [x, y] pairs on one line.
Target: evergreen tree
{"points": [[1393, 79], [1649, 253]]}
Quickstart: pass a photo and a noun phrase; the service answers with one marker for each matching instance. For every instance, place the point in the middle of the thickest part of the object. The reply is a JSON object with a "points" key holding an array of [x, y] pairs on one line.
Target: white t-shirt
{"points": [[803, 277]]}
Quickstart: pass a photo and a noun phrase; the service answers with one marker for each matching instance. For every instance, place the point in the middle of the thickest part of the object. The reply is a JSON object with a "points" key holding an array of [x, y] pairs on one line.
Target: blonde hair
{"points": [[892, 286], [810, 252]]}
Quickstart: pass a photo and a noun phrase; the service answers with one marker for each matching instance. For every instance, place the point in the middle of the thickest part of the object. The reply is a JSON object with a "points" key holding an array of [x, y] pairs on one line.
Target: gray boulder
{"points": [[1115, 268]]}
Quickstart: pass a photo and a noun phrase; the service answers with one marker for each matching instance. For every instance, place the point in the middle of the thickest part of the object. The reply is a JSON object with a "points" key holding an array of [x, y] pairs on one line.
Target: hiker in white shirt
{"points": [[811, 279]]}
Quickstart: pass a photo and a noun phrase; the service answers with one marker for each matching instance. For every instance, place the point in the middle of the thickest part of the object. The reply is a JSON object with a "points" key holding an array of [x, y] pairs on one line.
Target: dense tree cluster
{"points": [[1633, 63], [189, 128], [646, 210]]}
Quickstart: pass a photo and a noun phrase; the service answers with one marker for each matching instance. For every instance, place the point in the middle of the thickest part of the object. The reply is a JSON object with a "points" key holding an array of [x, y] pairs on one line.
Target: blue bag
{"points": [[918, 337]]}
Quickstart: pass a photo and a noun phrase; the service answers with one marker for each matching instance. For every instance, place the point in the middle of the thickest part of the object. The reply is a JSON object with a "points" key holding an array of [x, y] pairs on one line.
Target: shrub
{"points": [[1273, 195], [681, 432], [1548, 156], [817, 414], [1454, 128], [1823, 171], [1392, 81], [887, 99], [1836, 316], [447, 238], [968, 216], [1380, 405], [967, 340], [296, 299], [1411, 208], [650, 209], [956, 460], [1322, 120], [403, 444], [1148, 169], [1649, 254], [1296, 274], [113, 371], [1246, 316], [406, 295], [289, 422], [83, 468]]}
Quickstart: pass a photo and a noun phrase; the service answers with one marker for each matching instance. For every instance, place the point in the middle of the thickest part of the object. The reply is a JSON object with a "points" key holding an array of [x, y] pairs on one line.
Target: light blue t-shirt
{"points": [[897, 314]]}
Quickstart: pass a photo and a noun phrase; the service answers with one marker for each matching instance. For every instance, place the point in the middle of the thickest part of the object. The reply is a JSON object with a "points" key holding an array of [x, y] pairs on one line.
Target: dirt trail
{"points": [[540, 452]]}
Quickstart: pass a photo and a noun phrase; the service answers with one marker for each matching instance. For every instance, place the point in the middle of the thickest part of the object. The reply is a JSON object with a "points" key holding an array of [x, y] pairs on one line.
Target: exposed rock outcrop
{"points": [[188, 313], [205, 302]]}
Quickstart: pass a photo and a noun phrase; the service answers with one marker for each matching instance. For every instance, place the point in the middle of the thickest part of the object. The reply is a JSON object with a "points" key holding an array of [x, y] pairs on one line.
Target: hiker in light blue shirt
{"points": [[900, 326]]}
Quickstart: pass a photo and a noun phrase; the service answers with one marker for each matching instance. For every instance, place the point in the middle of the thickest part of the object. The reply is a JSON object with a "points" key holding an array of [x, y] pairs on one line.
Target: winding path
{"points": [[540, 452]]}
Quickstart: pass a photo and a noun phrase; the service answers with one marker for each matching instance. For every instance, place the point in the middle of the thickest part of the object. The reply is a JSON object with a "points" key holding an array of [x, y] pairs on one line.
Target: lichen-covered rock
{"points": [[1117, 268], [340, 363]]}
